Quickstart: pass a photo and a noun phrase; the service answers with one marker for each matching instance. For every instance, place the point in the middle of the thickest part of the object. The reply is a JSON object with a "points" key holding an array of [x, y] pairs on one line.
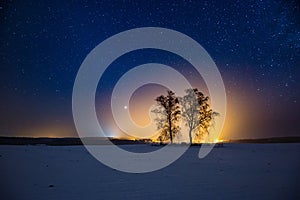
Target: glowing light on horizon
{"points": [[218, 141]]}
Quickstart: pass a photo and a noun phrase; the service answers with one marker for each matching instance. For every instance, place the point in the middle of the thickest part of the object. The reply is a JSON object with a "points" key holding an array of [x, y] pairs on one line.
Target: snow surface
{"points": [[236, 171]]}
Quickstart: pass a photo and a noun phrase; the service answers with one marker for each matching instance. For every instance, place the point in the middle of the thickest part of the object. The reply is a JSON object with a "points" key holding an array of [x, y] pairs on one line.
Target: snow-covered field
{"points": [[237, 171]]}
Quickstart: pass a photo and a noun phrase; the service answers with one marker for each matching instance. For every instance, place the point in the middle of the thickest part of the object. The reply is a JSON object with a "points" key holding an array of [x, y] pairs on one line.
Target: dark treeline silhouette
{"points": [[68, 141]]}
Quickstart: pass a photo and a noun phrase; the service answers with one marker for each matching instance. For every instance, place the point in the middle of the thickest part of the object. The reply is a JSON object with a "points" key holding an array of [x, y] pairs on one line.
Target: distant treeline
{"points": [[66, 141], [269, 140], [104, 141]]}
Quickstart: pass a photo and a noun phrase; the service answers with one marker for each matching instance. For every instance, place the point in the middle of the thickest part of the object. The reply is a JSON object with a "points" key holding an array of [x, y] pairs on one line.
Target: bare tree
{"points": [[190, 111], [168, 114], [197, 113]]}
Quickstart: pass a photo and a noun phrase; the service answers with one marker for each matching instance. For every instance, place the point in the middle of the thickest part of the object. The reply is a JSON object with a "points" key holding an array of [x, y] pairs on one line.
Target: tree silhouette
{"points": [[168, 114], [197, 113]]}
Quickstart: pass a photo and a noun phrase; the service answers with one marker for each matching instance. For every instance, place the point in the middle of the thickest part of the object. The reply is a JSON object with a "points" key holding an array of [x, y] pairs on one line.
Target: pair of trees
{"points": [[193, 108]]}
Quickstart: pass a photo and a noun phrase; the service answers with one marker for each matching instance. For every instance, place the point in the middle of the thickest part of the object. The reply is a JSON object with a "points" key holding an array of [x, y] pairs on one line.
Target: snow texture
{"points": [[236, 171]]}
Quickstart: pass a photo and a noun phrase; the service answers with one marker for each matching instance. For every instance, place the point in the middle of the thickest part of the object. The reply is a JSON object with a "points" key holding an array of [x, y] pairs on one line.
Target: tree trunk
{"points": [[170, 129], [191, 137]]}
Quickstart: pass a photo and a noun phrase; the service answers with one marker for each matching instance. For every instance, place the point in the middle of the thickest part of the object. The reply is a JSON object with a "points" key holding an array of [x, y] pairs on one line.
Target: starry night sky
{"points": [[255, 44]]}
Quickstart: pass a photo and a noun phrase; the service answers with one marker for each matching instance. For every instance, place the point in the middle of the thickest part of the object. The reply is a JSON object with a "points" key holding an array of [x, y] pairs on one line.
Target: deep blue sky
{"points": [[255, 44]]}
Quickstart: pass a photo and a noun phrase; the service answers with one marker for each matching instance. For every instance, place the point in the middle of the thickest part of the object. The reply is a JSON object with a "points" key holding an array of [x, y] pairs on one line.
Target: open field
{"points": [[236, 171]]}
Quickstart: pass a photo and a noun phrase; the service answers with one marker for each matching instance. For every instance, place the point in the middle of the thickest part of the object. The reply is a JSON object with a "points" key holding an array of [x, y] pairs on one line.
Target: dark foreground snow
{"points": [[237, 171]]}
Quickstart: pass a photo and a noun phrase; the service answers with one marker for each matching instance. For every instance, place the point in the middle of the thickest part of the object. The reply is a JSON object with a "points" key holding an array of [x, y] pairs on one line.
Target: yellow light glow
{"points": [[218, 141]]}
